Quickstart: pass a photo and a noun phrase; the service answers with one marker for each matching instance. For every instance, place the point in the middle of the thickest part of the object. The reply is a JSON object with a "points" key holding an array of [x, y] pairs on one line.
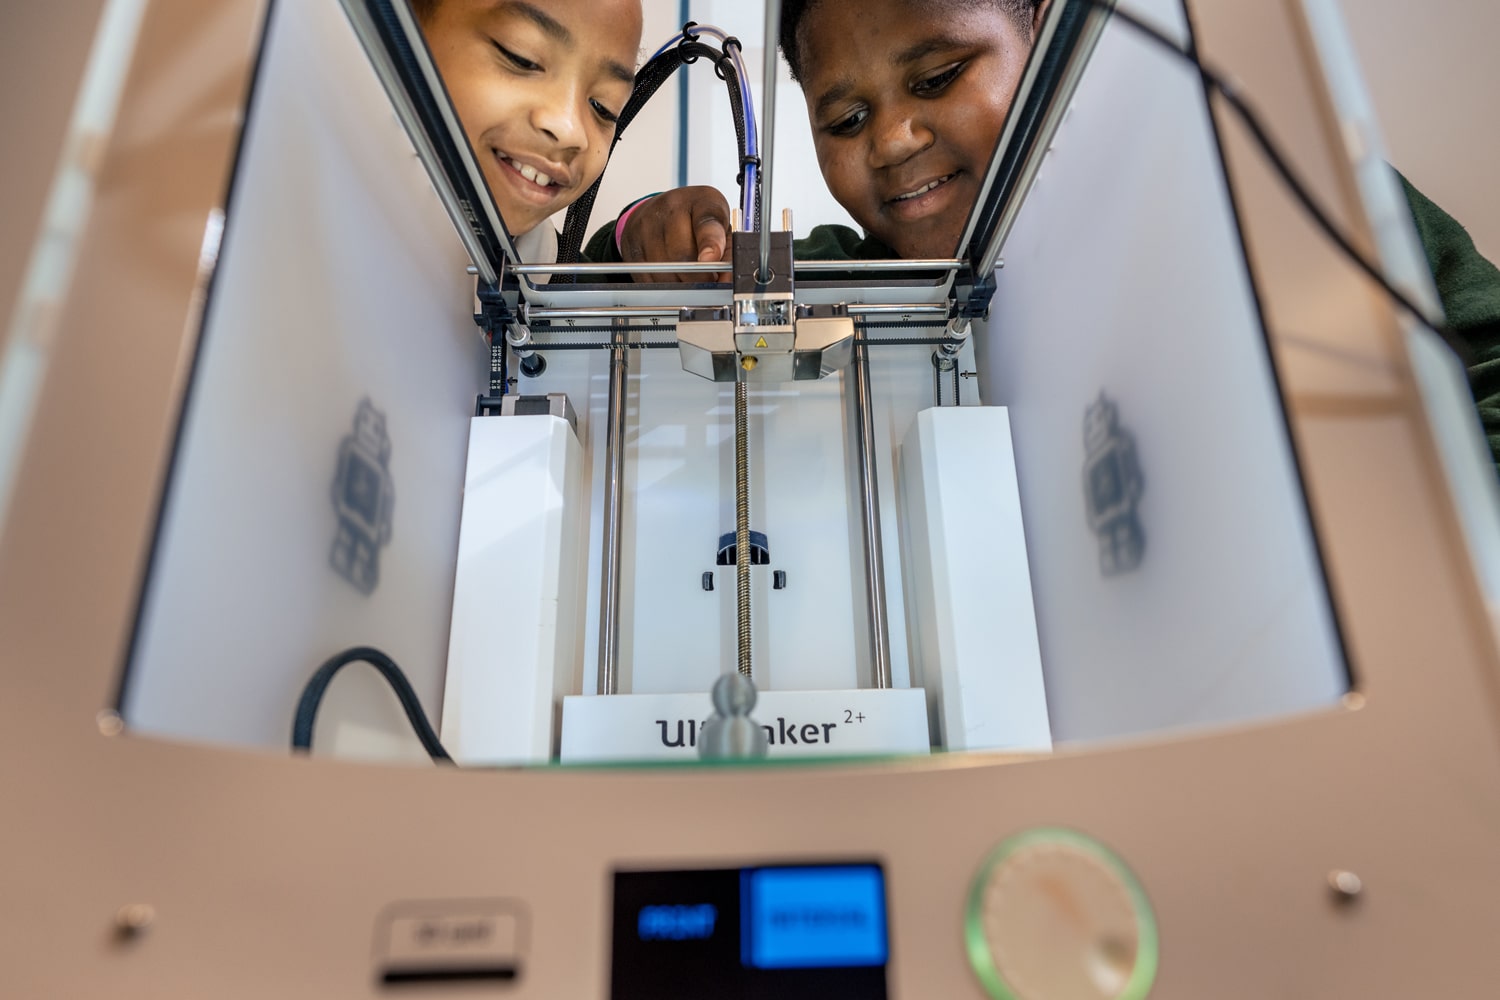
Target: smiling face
{"points": [[538, 87], [907, 101]]}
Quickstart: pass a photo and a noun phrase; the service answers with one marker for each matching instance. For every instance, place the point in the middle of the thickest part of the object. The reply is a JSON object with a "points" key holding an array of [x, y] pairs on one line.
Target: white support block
{"points": [[971, 621], [514, 648]]}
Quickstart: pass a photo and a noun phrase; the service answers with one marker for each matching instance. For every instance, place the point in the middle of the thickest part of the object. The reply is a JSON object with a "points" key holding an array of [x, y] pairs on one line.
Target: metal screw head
{"points": [[1346, 885], [110, 723], [133, 918]]}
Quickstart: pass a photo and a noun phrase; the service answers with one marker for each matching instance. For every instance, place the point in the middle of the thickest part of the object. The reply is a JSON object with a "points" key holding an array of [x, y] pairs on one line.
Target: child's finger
{"points": [[712, 235], [680, 225], [712, 229], [713, 245], [680, 242]]}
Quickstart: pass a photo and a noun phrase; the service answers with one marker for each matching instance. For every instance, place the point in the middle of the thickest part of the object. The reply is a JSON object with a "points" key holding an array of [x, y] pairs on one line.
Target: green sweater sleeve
{"points": [[1469, 287], [601, 247], [839, 243]]}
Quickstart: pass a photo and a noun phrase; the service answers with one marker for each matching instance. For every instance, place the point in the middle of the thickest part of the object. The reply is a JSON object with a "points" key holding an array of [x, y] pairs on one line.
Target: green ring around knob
{"points": [[1142, 975]]}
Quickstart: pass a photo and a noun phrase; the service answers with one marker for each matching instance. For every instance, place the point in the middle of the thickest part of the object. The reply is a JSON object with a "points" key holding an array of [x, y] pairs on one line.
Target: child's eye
{"points": [[604, 113], [849, 124], [519, 62], [933, 85]]}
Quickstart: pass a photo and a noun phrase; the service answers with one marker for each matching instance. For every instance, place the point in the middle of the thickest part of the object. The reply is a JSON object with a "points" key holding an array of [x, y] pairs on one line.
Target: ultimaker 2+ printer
{"points": [[1178, 429]]}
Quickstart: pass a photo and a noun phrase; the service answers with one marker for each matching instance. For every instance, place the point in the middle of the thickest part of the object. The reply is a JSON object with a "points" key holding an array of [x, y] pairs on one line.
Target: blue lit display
{"points": [[803, 918], [676, 923]]}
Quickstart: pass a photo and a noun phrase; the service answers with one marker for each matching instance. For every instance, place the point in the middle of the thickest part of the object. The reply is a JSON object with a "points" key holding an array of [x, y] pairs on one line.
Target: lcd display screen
{"points": [[786, 931]]}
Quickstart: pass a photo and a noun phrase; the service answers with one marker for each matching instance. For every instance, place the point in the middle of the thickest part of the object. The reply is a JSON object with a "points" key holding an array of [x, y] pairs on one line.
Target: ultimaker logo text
{"points": [[683, 733]]}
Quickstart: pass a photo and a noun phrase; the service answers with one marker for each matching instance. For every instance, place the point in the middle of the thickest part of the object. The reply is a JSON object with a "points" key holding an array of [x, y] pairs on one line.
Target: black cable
{"points": [[317, 686], [650, 78], [1283, 168], [575, 227]]}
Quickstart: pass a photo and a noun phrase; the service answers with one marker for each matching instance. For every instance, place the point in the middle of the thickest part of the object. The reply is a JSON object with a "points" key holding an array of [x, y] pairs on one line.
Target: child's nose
{"points": [[559, 117], [897, 137]]}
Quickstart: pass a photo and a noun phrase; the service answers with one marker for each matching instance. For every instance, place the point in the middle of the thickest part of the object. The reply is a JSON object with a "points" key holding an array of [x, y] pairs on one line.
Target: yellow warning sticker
{"points": [[761, 342]]}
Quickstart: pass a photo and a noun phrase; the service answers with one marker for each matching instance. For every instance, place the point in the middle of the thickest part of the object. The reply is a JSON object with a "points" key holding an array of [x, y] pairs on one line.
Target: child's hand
{"points": [[690, 223]]}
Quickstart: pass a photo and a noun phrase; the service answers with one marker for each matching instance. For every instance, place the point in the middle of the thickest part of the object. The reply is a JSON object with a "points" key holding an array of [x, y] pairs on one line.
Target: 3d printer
{"points": [[1161, 514]]}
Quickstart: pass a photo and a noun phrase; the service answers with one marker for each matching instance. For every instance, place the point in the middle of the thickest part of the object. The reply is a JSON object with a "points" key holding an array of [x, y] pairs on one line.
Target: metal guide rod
{"points": [[895, 264], [537, 314], [708, 267], [869, 497], [742, 522], [767, 134], [614, 486]]}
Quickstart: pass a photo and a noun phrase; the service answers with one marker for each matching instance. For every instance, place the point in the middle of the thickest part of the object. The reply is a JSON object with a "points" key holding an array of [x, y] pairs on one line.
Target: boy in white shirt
{"points": [[538, 86]]}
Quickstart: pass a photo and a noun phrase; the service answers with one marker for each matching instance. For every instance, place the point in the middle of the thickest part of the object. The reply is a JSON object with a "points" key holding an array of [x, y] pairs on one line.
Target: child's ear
{"points": [[1036, 18]]}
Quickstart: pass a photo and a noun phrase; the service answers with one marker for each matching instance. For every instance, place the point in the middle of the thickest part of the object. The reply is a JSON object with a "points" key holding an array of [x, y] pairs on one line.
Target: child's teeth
{"points": [[922, 190], [531, 173]]}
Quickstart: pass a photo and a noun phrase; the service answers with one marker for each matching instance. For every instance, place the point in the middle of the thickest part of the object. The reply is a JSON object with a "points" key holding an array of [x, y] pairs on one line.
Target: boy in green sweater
{"points": [[1469, 286], [906, 102]]}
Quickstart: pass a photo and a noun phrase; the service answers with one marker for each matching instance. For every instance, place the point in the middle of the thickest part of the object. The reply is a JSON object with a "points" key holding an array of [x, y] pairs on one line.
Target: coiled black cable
{"points": [[317, 687], [650, 78]]}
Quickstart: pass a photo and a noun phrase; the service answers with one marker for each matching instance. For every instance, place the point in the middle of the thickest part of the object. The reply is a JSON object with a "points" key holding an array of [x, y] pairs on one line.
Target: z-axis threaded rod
{"points": [[742, 522]]}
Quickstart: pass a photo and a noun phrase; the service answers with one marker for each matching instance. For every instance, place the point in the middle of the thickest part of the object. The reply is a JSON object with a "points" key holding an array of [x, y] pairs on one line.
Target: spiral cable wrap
{"points": [[684, 48]]}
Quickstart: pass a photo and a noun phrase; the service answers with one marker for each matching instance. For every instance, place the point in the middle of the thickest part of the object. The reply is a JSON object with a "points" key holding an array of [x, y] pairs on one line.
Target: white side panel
{"points": [[1134, 295], [512, 650], [340, 282], [970, 617]]}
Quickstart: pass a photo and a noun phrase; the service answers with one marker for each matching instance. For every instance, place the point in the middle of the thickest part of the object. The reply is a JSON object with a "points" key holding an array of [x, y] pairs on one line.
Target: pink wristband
{"points": [[625, 217]]}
